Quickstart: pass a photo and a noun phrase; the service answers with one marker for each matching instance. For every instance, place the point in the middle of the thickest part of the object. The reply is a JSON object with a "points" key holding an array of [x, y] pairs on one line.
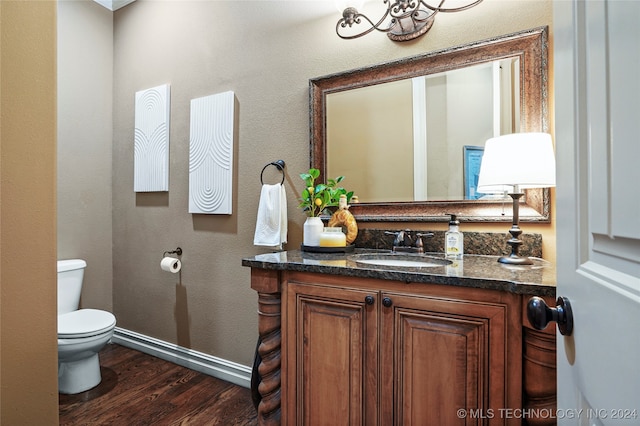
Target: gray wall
{"points": [[85, 129], [264, 51]]}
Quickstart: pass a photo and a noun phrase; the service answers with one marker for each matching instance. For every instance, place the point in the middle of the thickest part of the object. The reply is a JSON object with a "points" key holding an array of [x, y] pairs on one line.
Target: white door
{"points": [[597, 134]]}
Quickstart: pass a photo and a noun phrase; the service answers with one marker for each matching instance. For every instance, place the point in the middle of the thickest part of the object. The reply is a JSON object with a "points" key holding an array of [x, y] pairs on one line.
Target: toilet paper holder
{"points": [[177, 251]]}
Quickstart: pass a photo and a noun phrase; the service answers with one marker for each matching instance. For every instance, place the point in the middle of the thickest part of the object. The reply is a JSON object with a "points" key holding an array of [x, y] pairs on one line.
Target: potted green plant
{"points": [[315, 199]]}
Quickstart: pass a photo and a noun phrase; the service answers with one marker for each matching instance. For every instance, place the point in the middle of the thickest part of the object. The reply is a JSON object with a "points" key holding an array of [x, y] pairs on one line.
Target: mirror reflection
{"points": [[432, 156], [411, 169]]}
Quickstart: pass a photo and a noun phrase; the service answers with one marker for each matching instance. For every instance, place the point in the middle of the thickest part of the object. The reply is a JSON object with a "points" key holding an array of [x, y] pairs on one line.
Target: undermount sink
{"points": [[395, 260]]}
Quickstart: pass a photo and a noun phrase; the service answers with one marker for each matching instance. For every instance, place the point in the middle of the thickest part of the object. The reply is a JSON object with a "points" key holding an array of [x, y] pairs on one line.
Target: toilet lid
{"points": [[84, 323]]}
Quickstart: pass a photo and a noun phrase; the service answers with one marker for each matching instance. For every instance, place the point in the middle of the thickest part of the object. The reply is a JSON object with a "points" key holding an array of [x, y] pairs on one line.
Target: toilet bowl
{"points": [[82, 333]]}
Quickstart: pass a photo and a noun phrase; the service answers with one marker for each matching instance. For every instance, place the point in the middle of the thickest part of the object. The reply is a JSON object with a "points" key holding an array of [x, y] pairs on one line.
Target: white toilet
{"points": [[81, 332]]}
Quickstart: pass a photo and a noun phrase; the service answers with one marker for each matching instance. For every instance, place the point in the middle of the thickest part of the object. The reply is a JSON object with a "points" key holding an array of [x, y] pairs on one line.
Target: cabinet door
{"points": [[331, 339], [442, 361]]}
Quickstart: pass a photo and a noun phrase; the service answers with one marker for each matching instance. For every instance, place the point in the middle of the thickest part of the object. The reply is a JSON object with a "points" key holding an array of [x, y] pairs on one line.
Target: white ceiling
{"points": [[114, 4]]}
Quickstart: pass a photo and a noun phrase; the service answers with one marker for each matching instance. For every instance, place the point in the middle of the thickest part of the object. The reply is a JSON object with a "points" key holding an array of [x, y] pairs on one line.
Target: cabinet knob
{"points": [[540, 314], [386, 302], [369, 300]]}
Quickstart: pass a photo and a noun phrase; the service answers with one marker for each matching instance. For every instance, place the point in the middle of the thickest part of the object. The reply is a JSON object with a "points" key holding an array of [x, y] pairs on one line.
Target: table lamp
{"points": [[512, 163]]}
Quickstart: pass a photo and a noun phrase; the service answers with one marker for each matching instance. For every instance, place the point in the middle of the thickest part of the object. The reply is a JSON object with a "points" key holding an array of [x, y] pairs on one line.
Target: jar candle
{"points": [[333, 237]]}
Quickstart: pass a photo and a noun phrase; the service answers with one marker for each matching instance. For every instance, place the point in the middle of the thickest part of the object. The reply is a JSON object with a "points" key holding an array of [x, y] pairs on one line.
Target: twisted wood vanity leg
{"points": [[267, 284]]}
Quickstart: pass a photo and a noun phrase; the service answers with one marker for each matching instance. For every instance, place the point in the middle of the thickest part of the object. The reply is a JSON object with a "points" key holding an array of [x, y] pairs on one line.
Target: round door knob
{"points": [[540, 314], [369, 300], [386, 302]]}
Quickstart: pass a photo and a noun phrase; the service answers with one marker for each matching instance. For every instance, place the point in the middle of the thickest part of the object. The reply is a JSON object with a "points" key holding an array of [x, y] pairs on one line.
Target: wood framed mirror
{"points": [[524, 53]]}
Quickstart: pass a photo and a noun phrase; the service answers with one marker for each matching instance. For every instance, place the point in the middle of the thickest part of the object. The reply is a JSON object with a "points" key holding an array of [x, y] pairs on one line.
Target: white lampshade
{"points": [[523, 159]]}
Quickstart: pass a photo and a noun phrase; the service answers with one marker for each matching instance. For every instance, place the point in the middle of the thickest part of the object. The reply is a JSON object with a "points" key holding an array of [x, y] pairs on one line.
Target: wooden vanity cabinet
{"points": [[331, 361], [368, 351]]}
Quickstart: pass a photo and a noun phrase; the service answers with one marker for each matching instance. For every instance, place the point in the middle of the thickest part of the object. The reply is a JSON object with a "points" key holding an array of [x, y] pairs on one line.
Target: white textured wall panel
{"points": [[151, 140], [211, 154]]}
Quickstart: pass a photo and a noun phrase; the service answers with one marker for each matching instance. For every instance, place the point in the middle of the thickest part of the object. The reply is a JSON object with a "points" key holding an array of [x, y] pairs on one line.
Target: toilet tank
{"points": [[70, 275]]}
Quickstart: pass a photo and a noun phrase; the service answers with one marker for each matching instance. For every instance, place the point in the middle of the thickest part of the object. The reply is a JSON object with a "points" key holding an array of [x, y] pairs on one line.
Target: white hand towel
{"points": [[271, 225]]}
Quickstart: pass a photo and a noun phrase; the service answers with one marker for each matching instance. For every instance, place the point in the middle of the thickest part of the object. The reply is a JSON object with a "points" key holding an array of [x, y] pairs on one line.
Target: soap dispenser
{"points": [[453, 240]]}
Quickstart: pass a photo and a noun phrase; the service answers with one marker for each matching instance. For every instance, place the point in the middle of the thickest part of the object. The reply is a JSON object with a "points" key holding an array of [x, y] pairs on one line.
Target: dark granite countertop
{"points": [[474, 271]]}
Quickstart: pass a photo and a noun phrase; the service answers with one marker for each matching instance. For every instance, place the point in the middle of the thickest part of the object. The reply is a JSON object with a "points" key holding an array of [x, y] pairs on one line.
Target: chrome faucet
{"points": [[404, 243]]}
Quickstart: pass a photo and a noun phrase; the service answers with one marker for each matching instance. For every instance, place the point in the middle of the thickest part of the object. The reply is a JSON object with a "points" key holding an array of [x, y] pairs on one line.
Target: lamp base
{"points": [[514, 259]]}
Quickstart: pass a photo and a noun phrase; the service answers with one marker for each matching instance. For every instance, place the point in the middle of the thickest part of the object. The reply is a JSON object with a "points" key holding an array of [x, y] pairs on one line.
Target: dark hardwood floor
{"points": [[140, 389]]}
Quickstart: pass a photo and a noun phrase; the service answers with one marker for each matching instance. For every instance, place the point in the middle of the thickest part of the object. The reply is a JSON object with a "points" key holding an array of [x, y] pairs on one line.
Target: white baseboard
{"points": [[217, 367]]}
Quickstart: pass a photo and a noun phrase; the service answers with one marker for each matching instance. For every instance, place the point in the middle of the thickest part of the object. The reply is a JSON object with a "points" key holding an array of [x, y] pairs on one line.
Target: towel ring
{"points": [[279, 164]]}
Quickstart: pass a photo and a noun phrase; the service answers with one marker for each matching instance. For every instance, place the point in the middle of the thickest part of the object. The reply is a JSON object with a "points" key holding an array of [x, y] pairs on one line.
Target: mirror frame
{"points": [[530, 46]]}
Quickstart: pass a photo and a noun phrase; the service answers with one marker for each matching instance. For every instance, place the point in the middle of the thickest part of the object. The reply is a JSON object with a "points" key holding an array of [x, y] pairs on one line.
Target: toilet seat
{"points": [[84, 323]]}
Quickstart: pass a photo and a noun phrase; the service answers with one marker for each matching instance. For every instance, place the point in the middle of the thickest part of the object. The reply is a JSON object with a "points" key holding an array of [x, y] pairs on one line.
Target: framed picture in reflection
{"points": [[472, 160]]}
